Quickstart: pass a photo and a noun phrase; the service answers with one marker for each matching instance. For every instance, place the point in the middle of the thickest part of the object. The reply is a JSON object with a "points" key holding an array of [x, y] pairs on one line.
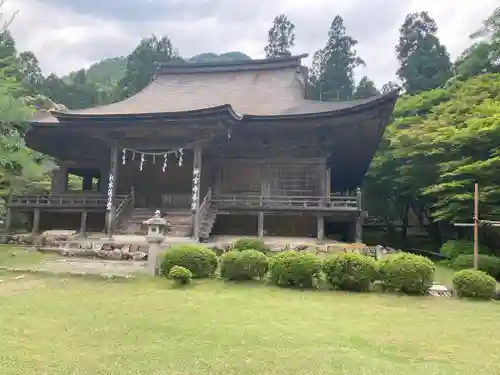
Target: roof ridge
{"points": [[230, 66]]}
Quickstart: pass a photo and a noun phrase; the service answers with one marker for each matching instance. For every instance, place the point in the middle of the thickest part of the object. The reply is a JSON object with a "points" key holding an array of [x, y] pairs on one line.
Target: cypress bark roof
{"points": [[254, 88]]}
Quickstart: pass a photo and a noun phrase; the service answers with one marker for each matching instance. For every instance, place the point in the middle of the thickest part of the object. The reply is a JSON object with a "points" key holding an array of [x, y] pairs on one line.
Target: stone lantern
{"points": [[156, 227], [156, 234]]}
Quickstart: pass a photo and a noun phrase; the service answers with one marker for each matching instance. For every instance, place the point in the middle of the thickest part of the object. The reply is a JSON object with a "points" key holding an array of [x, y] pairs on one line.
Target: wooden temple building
{"points": [[219, 148]]}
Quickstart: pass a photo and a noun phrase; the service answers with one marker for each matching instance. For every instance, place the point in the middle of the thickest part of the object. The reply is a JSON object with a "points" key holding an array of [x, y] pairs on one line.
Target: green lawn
{"points": [[63, 326], [444, 275], [16, 256]]}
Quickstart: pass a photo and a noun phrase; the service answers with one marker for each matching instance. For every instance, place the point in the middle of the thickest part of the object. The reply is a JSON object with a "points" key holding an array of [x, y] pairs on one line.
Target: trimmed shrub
{"points": [[407, 273], [244, 265], [180, 275], [351, 271], [474, 284], [486, 263], [295, 269], [201, 261], [454, 248], [250, 244]]}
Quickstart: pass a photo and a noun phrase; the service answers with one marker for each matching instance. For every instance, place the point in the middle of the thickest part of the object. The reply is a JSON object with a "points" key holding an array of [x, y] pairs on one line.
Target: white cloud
{"points": [[67, 35]]}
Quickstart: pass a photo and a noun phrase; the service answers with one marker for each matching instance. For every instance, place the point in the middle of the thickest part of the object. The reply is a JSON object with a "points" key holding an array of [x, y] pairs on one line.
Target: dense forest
{"points": [[442, 140]]}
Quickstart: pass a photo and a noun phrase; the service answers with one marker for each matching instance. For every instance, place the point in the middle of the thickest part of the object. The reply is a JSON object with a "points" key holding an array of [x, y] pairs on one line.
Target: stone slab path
{"points": [[94, 266]]}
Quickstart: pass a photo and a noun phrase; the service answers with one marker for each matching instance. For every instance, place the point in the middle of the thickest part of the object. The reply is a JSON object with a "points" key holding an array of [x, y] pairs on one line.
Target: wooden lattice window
{"points": [[294, 180]]}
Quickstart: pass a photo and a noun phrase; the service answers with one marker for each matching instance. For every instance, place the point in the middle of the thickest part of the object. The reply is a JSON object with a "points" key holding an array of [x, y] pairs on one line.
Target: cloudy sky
{"points": [[70, 34]]}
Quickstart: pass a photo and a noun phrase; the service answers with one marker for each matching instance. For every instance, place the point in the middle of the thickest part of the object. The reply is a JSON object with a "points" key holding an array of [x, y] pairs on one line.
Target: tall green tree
{"points": [[490, 29], [366, 89], [20, 167], [389, 86], [424, 61], [30, 73], [142, 62], [333, 66], [484, 55], [441, 142], [8, 55], [75, 93], [476, 60], [281, 38]]}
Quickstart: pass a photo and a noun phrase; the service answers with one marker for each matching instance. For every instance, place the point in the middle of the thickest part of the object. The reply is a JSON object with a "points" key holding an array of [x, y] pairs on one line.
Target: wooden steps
{"points": [[180, 220], [207, 223]]}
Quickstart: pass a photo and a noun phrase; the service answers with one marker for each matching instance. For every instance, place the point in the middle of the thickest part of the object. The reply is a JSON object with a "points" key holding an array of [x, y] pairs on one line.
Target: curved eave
{"points": [[377, 102], [223, 110]]}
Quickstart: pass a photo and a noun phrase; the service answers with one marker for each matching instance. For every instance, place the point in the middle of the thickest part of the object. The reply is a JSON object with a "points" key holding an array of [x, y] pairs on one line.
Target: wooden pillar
{"points": [[132, 195], [87, 182], [8, 214], [476, 226], [321, 228], [359, 216], [260, 224], [111, 203], [83, 223], [59, 183], [195, 198], [36, 222], [8, 219], [322, 179], [264, 192], [265, 185], [217, 185], [103, 179], [328, 182]]}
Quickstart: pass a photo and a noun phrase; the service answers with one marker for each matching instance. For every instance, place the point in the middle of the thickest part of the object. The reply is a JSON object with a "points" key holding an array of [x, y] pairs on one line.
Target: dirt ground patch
{"points": [[94, 266], [10, 284]]}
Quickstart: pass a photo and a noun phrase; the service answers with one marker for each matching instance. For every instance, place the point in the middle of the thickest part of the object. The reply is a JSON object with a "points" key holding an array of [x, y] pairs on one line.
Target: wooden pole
{"points": [[260, 225], [476, 225], [83, 223], [111, 204], [36, 222], [359, 216], [195, 201], [321, 228]]}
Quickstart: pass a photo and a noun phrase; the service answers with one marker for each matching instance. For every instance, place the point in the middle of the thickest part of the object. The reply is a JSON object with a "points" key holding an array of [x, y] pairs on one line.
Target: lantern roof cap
{"points": [[156, 219]]}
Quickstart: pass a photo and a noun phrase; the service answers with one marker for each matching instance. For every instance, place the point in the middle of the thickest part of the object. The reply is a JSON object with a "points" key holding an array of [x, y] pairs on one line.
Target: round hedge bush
{"points": [[180, 275], [295, 269], [351, 271], [486, 263], [474, 284], [407, 273], [250, 244], [201, 261], [454, 248], [244, 265]]}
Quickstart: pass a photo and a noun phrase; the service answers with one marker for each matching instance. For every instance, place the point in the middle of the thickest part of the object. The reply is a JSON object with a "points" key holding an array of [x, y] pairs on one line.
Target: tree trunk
{"points": [[404, 226], [431, 227]]}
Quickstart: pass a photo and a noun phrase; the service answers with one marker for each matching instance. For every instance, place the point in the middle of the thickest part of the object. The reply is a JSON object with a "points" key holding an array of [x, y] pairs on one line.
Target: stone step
{"points": [[150, 212], [169, 218], [173, 216], [181, 224]]}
